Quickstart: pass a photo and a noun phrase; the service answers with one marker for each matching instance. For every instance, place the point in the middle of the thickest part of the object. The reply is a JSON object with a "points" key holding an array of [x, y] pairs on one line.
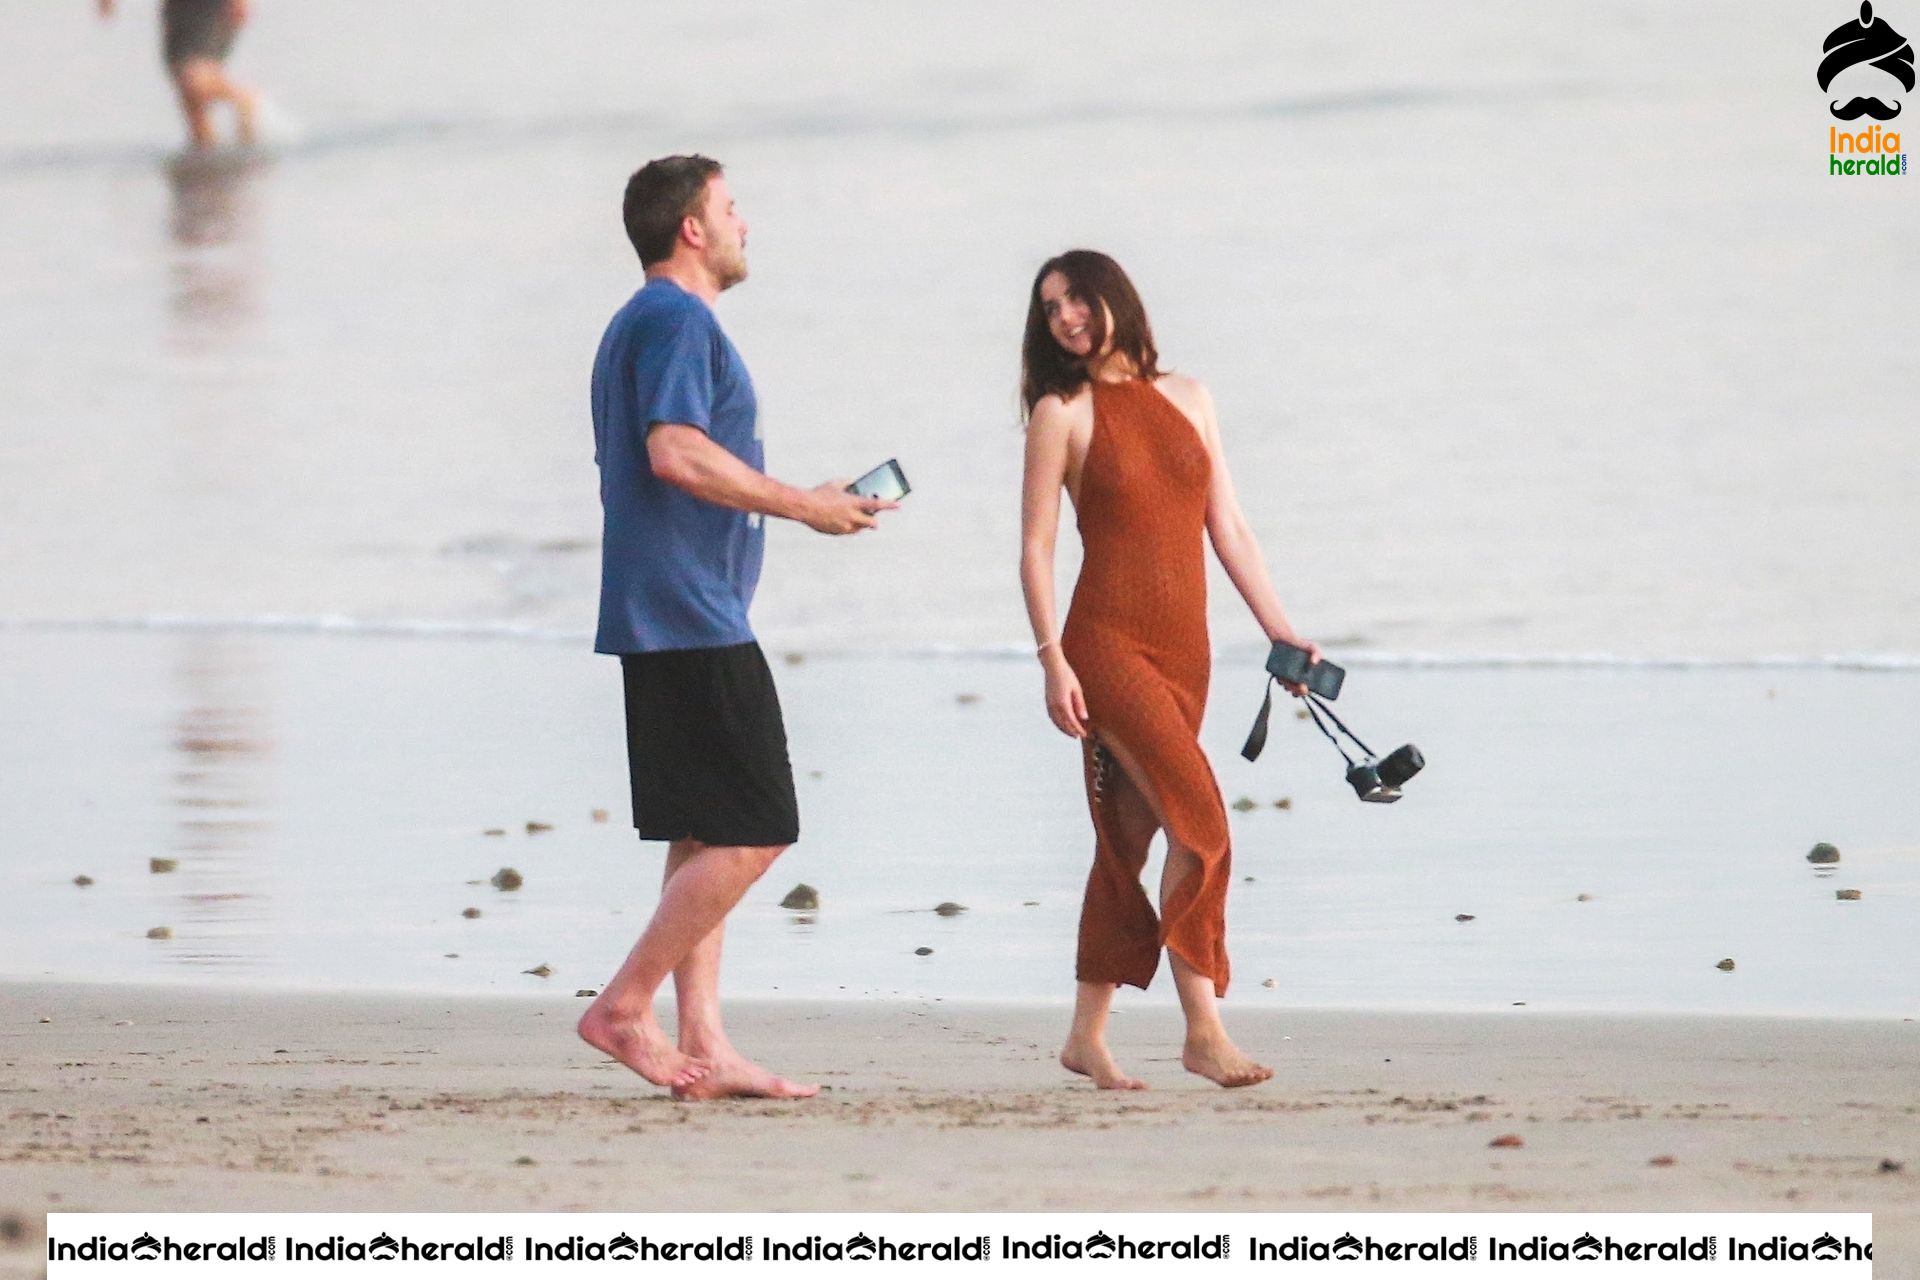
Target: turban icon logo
{"points": [[1871, 41]]}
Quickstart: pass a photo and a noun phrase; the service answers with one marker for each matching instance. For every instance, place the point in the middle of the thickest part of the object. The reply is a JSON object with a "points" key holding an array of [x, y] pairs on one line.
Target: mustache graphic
{"points": [[1865, 107]]}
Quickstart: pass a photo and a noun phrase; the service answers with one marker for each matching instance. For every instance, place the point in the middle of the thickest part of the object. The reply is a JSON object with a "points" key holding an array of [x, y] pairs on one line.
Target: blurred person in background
{"points": [[195, 38]]}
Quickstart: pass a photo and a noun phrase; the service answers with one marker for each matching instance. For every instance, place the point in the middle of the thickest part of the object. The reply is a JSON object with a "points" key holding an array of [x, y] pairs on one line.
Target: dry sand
{"points": [[163, 1098]]}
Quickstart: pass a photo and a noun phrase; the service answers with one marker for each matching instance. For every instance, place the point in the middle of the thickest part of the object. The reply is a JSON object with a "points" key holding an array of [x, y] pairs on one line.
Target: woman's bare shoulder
{"points": [[1053, 411], [1184, 390], [1191, 397]]}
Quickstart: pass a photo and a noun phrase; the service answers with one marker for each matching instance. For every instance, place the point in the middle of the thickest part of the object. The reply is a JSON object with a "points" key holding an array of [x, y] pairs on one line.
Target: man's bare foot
{"points": [[1218, 1060], [1091, 1059], [732, 1076], [640, 1043]]}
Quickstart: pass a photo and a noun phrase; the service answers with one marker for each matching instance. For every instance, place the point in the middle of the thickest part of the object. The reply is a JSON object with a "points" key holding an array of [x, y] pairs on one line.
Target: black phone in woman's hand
{"points": [[1290, 664]]}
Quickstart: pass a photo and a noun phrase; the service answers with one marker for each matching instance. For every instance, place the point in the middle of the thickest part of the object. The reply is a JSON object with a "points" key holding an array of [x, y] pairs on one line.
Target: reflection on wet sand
{"points": [[222, 746], [214, 227], [220, 787]]}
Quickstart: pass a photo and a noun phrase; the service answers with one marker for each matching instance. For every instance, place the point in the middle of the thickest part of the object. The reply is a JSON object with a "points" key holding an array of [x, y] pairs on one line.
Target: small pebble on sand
{"points": [[795, 659], [948, 909], [160, 933], [1583, 897], [83, 881], [1662, 1162], [816, 773], [1725, 966], [599, 815], [524, 1160], [540, 971], [1284, 802], [160, 866], [1248, 879], [506, 879], [127, 1022], [1463, 917], [1270, 982], [1508, 1140], [1030, 903], [535, 828], [46, 1020], [1301, 714], [923, 951], [471, 913], [1891, 1166], [967, 699], [802, 897], [586, 991], [1823, 854], [451, 955], [494, 831], [1244, 804], [1847, 895]]}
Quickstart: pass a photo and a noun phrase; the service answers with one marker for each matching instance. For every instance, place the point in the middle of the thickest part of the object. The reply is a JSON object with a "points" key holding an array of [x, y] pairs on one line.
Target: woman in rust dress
{"points": [[1138, 450]]}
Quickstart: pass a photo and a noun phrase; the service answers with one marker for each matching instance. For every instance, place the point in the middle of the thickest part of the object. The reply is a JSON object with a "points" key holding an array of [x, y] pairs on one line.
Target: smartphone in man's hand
{"points": [[886, 482]]}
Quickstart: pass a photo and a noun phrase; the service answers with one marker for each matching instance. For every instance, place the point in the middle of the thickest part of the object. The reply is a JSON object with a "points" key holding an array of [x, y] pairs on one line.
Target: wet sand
{"points": [[150, 1098]]}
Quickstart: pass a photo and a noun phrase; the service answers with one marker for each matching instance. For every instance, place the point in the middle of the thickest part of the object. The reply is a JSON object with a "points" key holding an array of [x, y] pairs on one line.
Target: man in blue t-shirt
{"points": [[677, 441]]}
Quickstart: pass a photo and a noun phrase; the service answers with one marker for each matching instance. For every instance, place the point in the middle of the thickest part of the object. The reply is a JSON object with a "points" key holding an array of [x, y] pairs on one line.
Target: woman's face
{"points": [[1069, 317]]}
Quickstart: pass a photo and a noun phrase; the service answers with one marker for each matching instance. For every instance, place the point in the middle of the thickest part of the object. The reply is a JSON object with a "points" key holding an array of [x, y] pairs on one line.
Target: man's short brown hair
{"points": [[660, 196]]}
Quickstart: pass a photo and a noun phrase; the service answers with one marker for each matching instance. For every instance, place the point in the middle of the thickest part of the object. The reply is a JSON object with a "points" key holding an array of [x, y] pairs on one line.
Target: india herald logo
{"points": [[1873, 44]]}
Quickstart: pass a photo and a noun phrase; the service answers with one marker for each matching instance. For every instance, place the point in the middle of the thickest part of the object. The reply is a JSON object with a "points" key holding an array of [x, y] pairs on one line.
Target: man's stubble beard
{"points": [[730, 270]]}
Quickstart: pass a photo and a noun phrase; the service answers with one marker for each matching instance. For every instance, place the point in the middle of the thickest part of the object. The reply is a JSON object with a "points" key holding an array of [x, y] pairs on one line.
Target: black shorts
{"points": [[707, 747]]}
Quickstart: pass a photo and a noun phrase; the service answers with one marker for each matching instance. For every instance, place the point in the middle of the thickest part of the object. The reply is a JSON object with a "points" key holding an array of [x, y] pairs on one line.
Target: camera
{"points": [[1375, 779], [1379, 781]]}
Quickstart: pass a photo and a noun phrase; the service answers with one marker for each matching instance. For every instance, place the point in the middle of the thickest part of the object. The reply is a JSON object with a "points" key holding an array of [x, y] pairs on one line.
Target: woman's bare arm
{"points": [[1049, 448], [1233, 539]]}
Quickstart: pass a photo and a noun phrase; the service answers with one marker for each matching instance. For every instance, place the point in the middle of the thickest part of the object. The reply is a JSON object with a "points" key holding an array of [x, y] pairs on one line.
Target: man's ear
{"points": [[693, 231]]}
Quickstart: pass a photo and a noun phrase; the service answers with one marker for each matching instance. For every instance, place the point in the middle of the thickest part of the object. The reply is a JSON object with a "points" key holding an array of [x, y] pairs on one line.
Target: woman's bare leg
{"points": [[1129, 819], [1209, 1051], [1086, 1050]]}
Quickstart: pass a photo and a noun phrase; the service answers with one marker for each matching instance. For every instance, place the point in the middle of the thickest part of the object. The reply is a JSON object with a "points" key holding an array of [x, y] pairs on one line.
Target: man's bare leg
{"points": [[1209, 1051], [705, 884], [696, 987]]}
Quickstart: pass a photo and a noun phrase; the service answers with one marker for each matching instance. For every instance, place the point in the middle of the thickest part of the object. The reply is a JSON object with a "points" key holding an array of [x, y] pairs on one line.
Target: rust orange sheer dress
{"points": [[1136, 636]]}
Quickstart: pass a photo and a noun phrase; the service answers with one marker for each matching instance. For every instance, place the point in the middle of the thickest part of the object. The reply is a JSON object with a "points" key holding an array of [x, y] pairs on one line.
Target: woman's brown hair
{"points": [[1046, 367]]}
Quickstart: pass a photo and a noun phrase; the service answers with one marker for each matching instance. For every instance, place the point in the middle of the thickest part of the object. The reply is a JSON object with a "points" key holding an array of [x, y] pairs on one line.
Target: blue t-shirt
{"points": [[675, 572]]}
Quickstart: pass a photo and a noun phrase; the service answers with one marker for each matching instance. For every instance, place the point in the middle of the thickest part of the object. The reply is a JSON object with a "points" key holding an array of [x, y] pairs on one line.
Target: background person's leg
{"points": [[195, 81]]}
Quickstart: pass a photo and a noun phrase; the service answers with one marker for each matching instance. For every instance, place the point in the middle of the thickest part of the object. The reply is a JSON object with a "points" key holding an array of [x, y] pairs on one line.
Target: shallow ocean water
{"points": [[326, 800]]}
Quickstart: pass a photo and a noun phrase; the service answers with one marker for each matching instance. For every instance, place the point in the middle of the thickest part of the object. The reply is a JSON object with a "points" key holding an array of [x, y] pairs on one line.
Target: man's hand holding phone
{"points": [[833, 510]]}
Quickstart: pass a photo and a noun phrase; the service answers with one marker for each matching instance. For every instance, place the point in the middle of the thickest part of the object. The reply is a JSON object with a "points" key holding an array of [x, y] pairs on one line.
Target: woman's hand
{"points": [[1066, 704], [1313, 655]]}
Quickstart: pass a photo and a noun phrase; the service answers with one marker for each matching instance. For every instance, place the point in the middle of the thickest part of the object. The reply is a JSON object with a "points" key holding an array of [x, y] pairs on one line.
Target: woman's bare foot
{"points": [[732, 1076], [1218, 1060], [1091, 1059], [639, 1043]]}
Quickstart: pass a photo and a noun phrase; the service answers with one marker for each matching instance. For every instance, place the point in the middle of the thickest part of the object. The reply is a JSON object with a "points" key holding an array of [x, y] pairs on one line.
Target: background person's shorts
{"points": [[707, 747]]}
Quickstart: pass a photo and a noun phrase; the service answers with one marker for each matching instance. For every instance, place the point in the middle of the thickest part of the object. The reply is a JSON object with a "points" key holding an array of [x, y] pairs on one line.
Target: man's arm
{"points": [[686, 458]]}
